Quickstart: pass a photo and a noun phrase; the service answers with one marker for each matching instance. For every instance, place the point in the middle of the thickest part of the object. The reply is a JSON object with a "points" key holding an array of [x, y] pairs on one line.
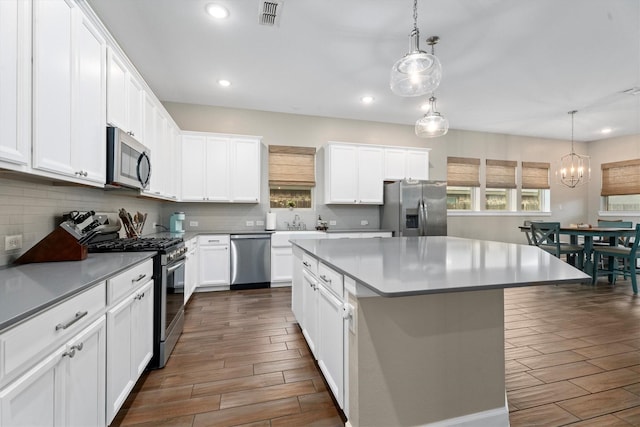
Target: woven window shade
{"points": [[292, 166], [621, 178], [501, 173], [535, 175], [463, 172]]}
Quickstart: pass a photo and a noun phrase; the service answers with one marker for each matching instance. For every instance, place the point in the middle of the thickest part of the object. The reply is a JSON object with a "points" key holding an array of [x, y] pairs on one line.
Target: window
{"points": [[500, 184], [621, 185], [535, 186], [463, 182], [291, 176]]}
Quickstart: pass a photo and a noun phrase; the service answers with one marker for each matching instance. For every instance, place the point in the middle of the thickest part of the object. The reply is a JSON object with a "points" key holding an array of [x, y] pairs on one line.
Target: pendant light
{"points": [[433, 123], [418, 72], [575, 169]]}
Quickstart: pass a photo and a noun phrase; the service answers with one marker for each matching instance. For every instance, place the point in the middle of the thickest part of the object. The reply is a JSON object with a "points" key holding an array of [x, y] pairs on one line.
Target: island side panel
{"points": [[421, 359]]}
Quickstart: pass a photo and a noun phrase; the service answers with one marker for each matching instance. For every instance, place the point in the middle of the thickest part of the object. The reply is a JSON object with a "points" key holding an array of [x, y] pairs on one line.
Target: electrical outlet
{"points": [[249, 223], [332, 222], [193, 223], [155, 224], [259, 222], [12, 242], [364, 222]]}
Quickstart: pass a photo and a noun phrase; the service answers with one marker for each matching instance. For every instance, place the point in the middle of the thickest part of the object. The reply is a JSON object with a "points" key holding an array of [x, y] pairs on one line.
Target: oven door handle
{"points": [[177, 266]]}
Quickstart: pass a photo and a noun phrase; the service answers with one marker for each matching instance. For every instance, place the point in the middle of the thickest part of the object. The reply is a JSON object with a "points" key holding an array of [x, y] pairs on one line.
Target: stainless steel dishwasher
{"points": [[250, 261]]}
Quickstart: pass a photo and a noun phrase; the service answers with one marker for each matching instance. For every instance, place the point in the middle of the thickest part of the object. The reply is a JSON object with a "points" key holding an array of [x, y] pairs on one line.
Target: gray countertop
{"points": [[27, 289], [403, 266]]}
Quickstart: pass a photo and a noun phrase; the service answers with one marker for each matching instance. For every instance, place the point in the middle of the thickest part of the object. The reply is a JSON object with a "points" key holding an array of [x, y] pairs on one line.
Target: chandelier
{"points": [[575, 169], [433, 123], [418, 72]]}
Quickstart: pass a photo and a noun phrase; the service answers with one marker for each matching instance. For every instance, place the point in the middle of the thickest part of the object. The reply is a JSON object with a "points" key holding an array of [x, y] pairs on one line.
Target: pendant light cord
{"points": [[415, 15], [573, 112]]}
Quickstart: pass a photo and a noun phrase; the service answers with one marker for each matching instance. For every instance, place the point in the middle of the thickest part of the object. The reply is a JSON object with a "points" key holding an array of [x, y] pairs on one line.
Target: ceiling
{"points": [[509, 66]]}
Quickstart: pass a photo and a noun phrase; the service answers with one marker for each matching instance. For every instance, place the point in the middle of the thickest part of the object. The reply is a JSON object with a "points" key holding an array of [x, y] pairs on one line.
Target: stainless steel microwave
{"points": [[128, 161]]}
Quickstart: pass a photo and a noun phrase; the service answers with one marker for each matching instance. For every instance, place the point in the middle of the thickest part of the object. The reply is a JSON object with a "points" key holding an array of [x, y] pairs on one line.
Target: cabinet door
{"points": [[370, 179], [117, 77], [341, 176], [15, 112], [331, 342], [142, 329], [296, 286], [193, 167], [281, 264], [245, 170], [52, 61], [135, 101], [217, 170], [214, 265], [310, 311], [119, 350], [32, 399], [417, 165], [85, 377], [395, 160], [89, 135]]}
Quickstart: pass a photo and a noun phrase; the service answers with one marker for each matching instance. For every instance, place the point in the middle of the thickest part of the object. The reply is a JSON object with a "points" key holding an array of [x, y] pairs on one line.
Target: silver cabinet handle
{"points": [[306, 264], [137, 279], [79, 315], [72, 351], [325, 278]]}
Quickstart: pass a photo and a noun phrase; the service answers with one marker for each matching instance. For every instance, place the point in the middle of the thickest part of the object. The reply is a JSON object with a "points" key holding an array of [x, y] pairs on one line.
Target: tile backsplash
{"points": [[33, 209]]}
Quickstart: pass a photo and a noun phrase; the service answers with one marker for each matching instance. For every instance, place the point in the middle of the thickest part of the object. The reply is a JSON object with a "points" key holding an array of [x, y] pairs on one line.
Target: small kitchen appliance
{"points": [[176, 221]]}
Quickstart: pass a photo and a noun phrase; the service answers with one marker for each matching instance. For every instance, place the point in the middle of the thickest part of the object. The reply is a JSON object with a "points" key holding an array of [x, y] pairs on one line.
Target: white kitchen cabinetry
{"points": [[406, 163], [15, 84], [331, 341], [353, 174], [214, 262], [53, 365], [220, 168], [309, 321], [282, 254], [125, 97], [69, 93], [191, 268], [129, 332]]}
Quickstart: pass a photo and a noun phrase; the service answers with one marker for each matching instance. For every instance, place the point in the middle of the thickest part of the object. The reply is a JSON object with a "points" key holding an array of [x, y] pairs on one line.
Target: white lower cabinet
{"points": [[214, 262], [309, 321], [67, 388], [191, 269], [331, 341], [129, 344]]}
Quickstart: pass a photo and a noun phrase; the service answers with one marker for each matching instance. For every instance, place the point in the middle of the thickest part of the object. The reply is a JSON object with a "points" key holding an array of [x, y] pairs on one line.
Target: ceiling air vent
{"points": [[269, 12]]}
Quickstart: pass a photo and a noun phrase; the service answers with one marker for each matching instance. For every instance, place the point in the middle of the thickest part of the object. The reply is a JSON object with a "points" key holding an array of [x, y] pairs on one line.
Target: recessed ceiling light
{"points": [[606, 130], [224, 83], [217, 11], [368, 99]]}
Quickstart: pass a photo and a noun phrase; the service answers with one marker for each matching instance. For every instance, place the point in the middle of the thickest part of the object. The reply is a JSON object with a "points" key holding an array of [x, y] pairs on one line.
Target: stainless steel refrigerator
{"points": [[415, 208]]}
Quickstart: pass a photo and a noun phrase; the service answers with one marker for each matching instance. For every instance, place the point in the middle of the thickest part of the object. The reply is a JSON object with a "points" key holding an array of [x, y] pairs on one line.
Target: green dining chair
{"points": [[546, 235], [618, 223], [617, 253]]}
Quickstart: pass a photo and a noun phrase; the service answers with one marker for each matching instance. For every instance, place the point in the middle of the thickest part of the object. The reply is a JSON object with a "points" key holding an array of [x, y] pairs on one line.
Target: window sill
{"points": [[497, 213], [619, 213]]}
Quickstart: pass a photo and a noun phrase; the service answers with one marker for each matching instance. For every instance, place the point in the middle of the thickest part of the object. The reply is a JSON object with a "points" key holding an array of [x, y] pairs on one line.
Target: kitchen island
{"points": [[423, 330]]}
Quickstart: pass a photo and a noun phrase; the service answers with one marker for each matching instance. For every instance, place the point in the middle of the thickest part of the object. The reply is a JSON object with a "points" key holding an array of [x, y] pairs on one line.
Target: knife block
{"points": [[58, 245]]}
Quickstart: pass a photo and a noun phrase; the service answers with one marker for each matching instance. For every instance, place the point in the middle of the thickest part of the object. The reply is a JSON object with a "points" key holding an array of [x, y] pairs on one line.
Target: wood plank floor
{"points": [[572, 358]]}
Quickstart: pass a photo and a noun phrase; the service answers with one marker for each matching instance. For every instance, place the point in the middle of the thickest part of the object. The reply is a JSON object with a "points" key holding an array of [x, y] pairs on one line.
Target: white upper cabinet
{"points": [[69, 93], [406, 163], [125, 95], [353, 174], [15, 83], [220, 168]]}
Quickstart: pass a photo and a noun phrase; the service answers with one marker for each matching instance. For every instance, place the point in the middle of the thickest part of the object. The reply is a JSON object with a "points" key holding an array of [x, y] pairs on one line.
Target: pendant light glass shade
{"points": [[433, 124], [417, 73], [574, 169]]}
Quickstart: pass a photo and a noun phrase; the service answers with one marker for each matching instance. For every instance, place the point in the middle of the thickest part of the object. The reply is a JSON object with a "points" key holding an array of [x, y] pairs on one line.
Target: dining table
{"points": [[608, 234]]}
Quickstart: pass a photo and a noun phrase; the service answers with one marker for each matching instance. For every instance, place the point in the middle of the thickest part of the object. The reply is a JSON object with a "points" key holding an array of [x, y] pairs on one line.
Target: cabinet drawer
{"points": [[120, 285], [25, 344], [310, 263], [217, 239], [331, 279]]}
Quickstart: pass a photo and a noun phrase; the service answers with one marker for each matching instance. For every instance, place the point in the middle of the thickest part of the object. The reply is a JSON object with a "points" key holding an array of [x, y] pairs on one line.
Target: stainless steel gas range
{"points": [[168, 275]]}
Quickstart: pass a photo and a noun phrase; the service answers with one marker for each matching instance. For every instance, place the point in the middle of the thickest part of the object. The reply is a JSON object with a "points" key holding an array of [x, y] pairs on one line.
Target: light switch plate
{"points": [[12, 242], [332, 223], [364, 222], [259, 222], [193, 223], [249, 223]]}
